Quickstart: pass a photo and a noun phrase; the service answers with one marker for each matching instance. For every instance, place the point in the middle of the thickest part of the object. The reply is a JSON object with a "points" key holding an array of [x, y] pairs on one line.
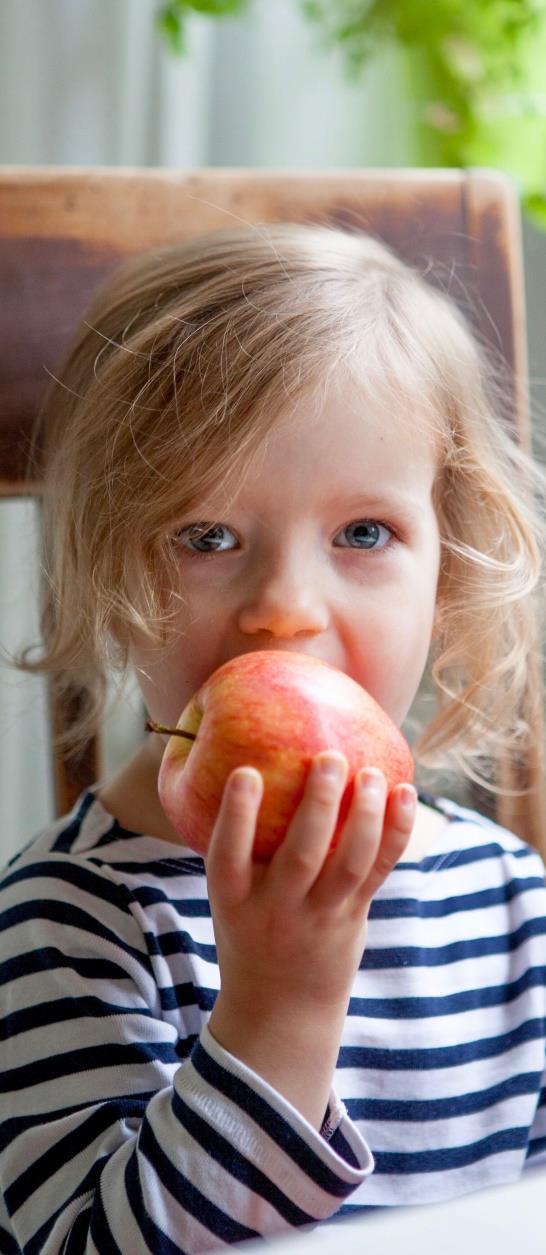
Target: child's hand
{"points": [[290, 934]]}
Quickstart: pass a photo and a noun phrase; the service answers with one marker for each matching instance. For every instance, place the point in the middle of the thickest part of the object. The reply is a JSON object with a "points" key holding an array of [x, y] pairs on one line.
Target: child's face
{"points": [[330, 547]]}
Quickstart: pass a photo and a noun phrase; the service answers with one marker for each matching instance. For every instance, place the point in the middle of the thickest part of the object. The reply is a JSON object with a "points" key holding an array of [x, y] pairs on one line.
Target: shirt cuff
{"points": [[340, 1146]]}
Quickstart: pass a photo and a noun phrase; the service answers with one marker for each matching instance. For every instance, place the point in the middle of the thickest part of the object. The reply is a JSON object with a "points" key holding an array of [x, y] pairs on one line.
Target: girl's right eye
{"points": [[206, 535]]}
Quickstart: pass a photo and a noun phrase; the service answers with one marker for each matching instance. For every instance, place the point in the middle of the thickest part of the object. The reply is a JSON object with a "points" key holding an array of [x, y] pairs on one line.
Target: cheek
{"points": [[151, 676], [170, 676], [393, 652], [159, 674]]}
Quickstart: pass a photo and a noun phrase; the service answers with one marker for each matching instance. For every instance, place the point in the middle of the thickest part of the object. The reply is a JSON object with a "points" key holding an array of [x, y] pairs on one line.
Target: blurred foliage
{"points": [[171, 19], [475, 73]]}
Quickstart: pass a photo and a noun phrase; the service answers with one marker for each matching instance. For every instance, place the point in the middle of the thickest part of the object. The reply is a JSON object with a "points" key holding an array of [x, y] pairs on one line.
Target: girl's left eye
{"points": [[364, 536], [365, 533], [202, 533]]}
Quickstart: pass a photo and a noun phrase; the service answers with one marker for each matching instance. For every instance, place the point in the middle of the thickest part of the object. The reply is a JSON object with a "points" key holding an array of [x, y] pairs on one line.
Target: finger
{"points": [[350, 864], [229, 856], [399, 823], [299, 859]]}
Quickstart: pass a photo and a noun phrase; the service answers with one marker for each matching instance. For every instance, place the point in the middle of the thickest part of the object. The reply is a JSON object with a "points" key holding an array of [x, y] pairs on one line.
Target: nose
{"points": [[285, 605]]}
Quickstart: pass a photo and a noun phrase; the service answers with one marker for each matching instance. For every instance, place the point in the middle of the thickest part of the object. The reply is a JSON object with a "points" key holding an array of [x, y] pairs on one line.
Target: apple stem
{"points": [[159, 727]]}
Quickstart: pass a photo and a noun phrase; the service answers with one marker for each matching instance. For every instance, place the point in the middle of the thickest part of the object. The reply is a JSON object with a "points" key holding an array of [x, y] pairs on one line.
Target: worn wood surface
{"points": [[62, 230]]}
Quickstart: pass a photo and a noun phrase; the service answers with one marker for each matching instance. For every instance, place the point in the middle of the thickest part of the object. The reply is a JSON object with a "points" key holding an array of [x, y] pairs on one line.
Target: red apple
{"points": [[274, 711]]}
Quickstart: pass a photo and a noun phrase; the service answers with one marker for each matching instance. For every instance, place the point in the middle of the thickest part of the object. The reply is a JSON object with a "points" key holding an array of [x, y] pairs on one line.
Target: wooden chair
{"points": [[62, 230]]}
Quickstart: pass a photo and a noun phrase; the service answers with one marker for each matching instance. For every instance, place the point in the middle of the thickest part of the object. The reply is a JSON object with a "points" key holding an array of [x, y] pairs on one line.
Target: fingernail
{"points": [[244, 782], [370, 781], [331, 768], [408, 796]]}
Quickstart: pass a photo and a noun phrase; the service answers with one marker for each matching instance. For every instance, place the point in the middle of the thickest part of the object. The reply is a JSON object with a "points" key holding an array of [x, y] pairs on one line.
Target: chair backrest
{"points": [[62, 230]]}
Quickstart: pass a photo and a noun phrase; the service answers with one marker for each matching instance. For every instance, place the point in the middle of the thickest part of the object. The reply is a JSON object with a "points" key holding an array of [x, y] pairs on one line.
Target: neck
{"points": [[131, 794]]}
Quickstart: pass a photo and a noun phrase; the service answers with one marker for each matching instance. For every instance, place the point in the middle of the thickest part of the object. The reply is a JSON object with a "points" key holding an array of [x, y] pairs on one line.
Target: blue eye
{"points": [[205, 535], [365, 534], [201, 540]]}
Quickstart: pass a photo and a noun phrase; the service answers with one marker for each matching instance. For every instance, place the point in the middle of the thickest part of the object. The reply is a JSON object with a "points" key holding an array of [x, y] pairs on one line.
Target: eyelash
{"points": [[203, 556]]}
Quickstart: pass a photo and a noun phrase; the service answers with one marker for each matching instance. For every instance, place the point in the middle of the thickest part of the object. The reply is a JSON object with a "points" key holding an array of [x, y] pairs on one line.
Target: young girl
{"points": [[275, 437]]}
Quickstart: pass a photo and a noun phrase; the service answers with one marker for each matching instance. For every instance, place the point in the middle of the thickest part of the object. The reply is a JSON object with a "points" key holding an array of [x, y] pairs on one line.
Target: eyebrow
{"points": [[401, 503], [390, 499]]}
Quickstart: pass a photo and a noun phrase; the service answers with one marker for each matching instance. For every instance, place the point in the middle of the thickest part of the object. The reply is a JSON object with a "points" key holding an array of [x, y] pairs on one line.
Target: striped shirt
{"points": [[125, 1127]]}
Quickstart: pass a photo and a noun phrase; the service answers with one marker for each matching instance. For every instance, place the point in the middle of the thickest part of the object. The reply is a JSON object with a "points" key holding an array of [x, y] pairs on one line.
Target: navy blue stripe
{"points": [[77, 874], [8, 1245], [69, 916], [68, 834], [477, 900], [444, 1160], [449, 1004], [377, 957], [164, 869], [400, 1109], [339, 1143], [62, 1011], [88, 1059], [536, 1147], [185, 1045], [236, 1164], [100, 1230], [155, 1239], [187, 995], [265, 1116], [150, 895], [391, 1060], [179, 941], [467, 855], [76, 1240], [49, 959], [187, 1194], [110, 838]]}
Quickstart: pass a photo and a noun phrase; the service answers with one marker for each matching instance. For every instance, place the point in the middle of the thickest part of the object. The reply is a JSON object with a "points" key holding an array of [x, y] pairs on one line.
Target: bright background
{"points": [[88, 82]]}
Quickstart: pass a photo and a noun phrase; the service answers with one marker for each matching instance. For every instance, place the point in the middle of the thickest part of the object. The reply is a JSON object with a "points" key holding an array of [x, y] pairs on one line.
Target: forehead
{"points": [[337, 441], [357, 415]]}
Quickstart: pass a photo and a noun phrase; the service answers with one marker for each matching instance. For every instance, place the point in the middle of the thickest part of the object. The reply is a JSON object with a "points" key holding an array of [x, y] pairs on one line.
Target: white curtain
{"points": [[88, 82]]}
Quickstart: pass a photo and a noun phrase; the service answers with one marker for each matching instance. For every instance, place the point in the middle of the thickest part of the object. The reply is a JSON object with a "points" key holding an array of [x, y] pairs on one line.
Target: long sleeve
{"points": [[126, 1128]]}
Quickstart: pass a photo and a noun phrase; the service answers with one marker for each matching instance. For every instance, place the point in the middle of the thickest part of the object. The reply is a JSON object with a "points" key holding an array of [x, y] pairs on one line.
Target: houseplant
{"points": [[473, 74]]}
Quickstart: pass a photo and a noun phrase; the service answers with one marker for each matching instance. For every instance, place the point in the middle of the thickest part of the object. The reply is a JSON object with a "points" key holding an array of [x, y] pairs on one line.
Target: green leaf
{"points": [[214, 8], [170, 21], [217, 8], [534, 206], [170, 27]]}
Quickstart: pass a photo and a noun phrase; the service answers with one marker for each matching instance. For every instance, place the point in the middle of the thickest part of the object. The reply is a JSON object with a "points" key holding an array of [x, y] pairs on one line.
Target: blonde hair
{"points": [[186, 359]]}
